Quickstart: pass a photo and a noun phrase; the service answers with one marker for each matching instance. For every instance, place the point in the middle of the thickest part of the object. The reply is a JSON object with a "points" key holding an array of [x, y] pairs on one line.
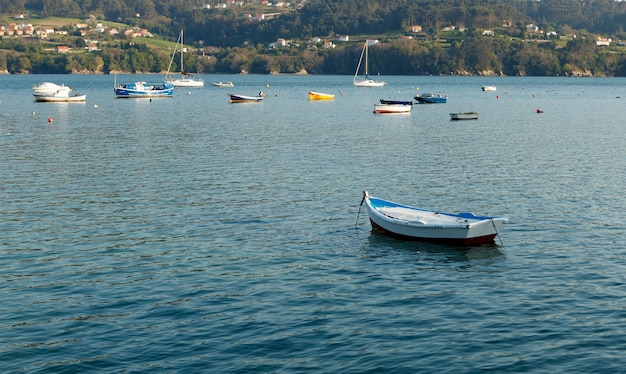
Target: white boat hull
{"points": [[414, 223], [187, 83], [60, 98], [369, 83], [392, 108], [222, 84], [463, 116]]}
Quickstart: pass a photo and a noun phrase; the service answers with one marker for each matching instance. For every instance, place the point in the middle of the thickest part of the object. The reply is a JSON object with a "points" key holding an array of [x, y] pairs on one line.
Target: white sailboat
{"points": [[186, 79], [367, 81]]}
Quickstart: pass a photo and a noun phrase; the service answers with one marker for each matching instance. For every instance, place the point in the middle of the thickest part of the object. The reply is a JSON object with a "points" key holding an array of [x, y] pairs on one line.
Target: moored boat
{"points": [[414, 223], [186, 79], [49, 88], [463, 116], [237, 98], [432, 98], [489, 88], [60, 97], [399, 102], [320, 96], [369, 82], [392, 108], [143, 90], [366, 81], [223, 84]]}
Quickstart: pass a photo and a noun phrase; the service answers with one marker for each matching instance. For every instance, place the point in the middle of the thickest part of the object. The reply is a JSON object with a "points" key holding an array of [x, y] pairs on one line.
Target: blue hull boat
{"points": [[143, 90], [395, 102], [432, 98]]}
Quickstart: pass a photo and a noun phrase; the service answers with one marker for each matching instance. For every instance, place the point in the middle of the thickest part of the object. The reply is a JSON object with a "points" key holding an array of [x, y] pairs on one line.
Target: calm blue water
{"points": [[193, 235]]}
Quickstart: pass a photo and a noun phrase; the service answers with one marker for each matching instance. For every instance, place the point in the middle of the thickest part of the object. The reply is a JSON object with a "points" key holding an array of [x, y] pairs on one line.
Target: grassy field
{"points": [[57, 22]]}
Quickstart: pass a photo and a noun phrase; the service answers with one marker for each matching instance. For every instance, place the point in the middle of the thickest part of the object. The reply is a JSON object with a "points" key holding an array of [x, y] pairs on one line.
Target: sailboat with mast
{"points": [[366, 81], [185, 79]]}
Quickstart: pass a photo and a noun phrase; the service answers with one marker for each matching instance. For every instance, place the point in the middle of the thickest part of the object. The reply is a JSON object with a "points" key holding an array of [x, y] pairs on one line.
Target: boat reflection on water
{"points": [[380, 245]]}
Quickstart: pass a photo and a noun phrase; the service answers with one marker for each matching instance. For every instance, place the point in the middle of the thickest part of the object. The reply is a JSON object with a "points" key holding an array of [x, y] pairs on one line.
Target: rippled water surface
{"points": [[193, 235]]}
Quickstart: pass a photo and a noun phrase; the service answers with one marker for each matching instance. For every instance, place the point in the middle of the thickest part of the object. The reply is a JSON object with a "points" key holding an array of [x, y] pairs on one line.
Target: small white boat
{"points": [[236, 98], [223, 84], [49, 88], [414, 223], [489, 88], [60, 97], [392, 108], [463, 116]]}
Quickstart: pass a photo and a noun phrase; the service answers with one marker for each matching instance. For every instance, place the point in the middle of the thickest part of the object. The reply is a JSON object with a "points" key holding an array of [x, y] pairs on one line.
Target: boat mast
{"points": [[367, 70], [168, 76], [182, 44], [358, 67]]}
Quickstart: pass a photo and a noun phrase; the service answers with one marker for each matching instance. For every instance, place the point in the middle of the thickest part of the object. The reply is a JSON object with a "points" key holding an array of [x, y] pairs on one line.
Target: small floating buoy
{"points": [[539, 111], [497, 96], [32, 113], [50, 119], [95, 105], [276, 94]]}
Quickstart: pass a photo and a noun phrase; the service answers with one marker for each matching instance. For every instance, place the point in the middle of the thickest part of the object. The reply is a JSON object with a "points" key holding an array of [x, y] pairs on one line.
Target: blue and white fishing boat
{"points": [[414, 223], [143, 90], [432, 98]]}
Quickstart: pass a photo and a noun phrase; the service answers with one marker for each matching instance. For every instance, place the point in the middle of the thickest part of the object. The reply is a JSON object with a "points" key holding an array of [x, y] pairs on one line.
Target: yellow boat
{"points": [[320, 96]]}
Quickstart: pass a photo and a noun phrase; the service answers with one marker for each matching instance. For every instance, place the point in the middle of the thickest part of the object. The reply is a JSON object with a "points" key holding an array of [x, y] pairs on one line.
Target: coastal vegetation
{"points": [[488, 37]]}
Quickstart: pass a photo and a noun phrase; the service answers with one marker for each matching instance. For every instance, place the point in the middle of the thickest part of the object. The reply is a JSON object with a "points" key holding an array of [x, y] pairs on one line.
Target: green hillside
{"points": [[553, 37]]}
